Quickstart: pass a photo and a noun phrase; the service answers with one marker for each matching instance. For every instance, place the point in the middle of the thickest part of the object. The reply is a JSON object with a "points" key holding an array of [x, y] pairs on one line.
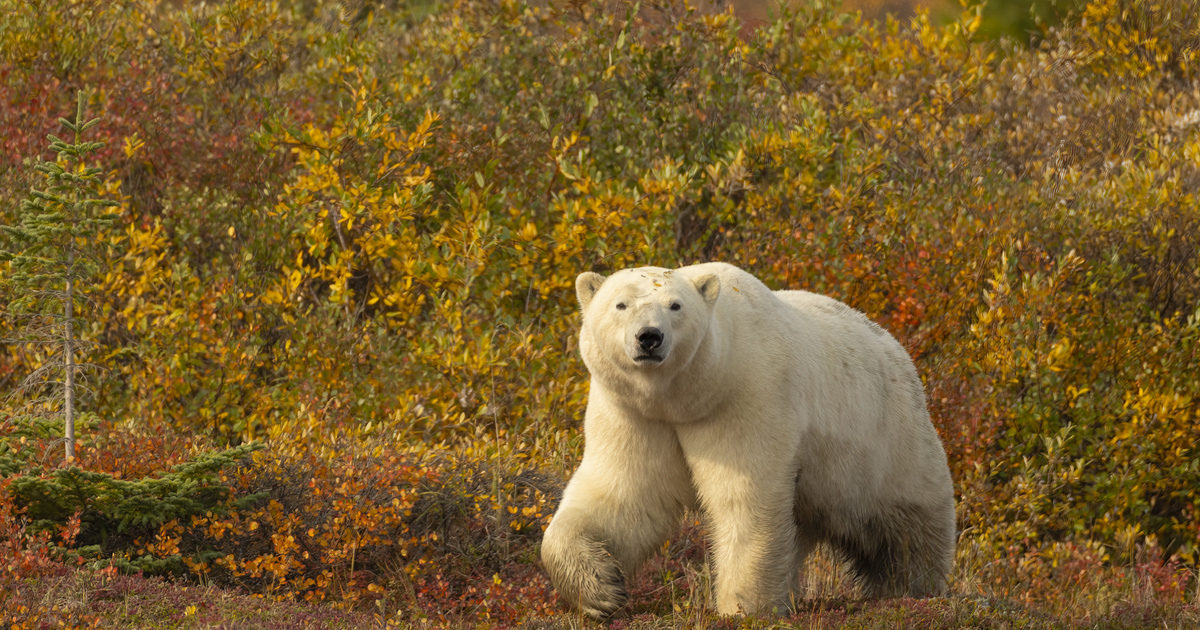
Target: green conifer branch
{"points": [[56, 247]]}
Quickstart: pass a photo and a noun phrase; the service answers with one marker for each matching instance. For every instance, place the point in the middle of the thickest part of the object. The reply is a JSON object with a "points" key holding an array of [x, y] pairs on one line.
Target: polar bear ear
{"points": [[586, 285], [709, 287]]}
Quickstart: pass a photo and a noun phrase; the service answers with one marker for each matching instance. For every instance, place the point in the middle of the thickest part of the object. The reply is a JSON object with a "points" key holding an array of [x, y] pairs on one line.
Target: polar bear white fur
{"points": [[787, 417]]}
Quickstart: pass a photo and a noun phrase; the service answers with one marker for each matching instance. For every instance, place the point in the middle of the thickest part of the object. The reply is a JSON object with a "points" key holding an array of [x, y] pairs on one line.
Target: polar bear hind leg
{"points": [[902, 550]]}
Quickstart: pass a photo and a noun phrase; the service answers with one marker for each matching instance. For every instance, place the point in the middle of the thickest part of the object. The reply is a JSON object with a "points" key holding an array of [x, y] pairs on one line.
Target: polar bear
{"points": [[788, 418]]}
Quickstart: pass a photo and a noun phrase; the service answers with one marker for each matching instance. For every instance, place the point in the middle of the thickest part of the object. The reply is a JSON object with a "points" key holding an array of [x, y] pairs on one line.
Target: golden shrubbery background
{"points": [[350, 230]]}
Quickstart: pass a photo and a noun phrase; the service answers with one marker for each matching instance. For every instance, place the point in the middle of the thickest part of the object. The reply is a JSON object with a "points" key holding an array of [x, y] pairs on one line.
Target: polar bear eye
{"points": [[620, 306], [675, 306]]}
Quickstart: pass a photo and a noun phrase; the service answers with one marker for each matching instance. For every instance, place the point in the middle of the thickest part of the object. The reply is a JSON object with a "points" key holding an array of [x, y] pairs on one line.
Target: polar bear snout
{"points": [[649, 346], [649, 339]]}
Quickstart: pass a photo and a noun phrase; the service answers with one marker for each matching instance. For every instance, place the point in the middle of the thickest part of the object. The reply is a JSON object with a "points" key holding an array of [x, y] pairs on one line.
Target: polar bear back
{"points": [[859, 404], [887, 412]]}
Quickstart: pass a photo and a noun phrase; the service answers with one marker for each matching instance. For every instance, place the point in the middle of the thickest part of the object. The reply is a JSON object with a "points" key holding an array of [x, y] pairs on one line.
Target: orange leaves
{"points": [[348, 528], [353, 199]]}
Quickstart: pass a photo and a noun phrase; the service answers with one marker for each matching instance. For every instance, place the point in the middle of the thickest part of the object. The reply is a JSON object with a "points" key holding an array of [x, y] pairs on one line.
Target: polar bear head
{"points": [[639, 321]]}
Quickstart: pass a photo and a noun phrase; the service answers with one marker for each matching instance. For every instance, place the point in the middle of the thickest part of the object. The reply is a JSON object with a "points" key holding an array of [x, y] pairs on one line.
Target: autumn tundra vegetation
{"points": [[306, 291]]}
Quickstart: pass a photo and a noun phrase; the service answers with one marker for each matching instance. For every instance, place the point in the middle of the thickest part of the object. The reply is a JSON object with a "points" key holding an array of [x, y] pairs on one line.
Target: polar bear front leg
{"points": [[747, 493], [626, 499], [754, 547], [581, 566]]}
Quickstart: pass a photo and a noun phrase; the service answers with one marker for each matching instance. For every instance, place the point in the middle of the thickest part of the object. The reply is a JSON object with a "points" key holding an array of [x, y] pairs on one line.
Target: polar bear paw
{"points": [[587, 576], [603, 593]]}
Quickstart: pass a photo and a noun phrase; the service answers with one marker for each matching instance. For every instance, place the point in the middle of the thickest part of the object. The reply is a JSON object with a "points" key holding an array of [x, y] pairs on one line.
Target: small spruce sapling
{"points": [[52, 253]]}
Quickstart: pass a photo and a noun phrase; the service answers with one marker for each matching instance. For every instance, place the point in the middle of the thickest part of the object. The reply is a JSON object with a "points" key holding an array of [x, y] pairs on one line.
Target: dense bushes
{"points": [[351, 229]]}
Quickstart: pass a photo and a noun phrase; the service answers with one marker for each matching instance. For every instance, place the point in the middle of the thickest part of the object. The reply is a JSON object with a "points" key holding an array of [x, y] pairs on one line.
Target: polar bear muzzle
{"points": [[649, 340]]}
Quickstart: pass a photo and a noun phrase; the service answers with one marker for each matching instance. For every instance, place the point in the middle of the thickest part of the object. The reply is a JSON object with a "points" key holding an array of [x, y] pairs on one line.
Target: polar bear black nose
{"points": [[649, 338]]}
